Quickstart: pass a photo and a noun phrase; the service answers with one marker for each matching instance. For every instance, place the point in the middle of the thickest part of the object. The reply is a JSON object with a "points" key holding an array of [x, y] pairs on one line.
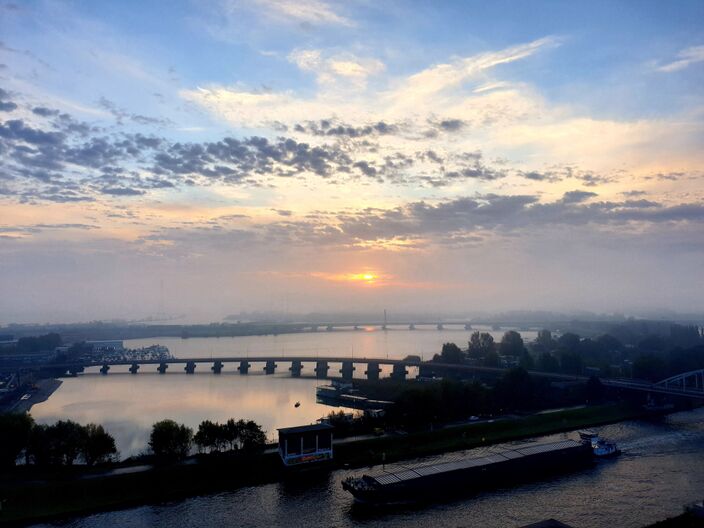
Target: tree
{"points": [[491, 359], [480, 344], [526, 360], [545, 340], [568, 341], [252, 436], [15, 429], [232, 433], [68, 440], [512, 344], [570, 363], [99, 445], [39, 449], [36, 344], [206, 438], [58, 444], [170, 441], [650, 367], [548, 363], [514, 390], [594, 390], [609, 343], [451, 353]]}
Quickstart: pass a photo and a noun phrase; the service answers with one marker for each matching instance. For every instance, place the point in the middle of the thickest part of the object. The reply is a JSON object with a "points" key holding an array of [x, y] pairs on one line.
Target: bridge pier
{"points": [[270, 367], [134, 368], [104, 370], [373, 370], [217, 367], [162, 368], [296, 367], [190, 367], [399, 372], [321, 369], [347, 370], [244, 367]]}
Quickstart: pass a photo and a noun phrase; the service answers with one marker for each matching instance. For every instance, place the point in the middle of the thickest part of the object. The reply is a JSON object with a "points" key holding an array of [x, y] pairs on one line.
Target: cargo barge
{"points": [[522, 462]]}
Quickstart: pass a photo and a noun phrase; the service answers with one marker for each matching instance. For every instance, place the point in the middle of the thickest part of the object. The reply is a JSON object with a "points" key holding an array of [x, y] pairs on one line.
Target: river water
{"points": [[127, 405], [661, 468]]}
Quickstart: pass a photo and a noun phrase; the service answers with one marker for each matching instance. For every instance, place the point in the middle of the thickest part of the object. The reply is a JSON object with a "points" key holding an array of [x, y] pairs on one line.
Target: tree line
{"points": [[66, 442], [419, 405], [653, 357], [59, 444]]}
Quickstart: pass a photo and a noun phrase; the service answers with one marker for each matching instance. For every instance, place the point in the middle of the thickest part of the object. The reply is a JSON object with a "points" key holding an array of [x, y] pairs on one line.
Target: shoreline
{"points": [[44, 389], [31, 495]]}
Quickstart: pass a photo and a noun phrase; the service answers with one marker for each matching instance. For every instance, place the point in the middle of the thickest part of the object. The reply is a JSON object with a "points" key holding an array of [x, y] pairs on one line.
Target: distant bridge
{"points": [[320, 366], [410, 325]]}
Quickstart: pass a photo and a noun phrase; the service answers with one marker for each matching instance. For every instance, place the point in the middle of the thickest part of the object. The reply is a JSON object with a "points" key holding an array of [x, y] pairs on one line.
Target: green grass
{"points": [[30, 494]]}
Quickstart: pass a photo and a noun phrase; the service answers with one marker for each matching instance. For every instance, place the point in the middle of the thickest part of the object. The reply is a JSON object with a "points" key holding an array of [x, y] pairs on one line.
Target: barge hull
{"points": [[525, 463]]}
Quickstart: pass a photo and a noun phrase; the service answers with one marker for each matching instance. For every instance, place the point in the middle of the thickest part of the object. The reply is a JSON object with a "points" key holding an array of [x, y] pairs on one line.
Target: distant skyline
{"points": [[211, 157]]}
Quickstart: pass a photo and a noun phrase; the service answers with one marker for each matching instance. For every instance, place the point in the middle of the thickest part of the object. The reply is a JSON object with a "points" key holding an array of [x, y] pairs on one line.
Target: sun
{"points": [[366, 277]]}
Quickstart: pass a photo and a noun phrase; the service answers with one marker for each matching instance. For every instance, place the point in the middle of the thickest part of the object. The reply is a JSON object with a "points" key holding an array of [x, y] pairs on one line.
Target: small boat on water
{"points": [[601, 448]]}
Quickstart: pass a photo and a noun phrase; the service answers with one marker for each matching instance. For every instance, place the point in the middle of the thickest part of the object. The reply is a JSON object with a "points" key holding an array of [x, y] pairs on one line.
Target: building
{"points": [[306, 444]]}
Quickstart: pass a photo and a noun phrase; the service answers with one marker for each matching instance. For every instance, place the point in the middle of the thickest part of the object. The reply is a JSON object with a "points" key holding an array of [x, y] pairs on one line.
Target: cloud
{"points": [[345, 69], [122, 191], [327, 127], [302, 11], [577, 196], [685, 58], [44, 111], [121, 115], [439, 89]]}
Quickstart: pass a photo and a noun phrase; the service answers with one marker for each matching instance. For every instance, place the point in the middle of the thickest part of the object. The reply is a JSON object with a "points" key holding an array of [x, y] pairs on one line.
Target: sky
{"points": [[202, 158]]}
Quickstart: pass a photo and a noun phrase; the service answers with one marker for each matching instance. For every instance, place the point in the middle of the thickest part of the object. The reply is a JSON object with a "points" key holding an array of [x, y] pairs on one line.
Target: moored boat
{"points": [[526, 461]]}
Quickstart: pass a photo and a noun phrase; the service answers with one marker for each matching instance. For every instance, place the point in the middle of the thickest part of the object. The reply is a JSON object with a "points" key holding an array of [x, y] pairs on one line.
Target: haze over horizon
{"points": [[306, 155]]}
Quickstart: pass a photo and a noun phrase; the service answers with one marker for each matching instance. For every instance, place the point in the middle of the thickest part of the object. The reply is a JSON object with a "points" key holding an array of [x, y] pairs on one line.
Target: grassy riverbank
{"points": [[30, 495]]}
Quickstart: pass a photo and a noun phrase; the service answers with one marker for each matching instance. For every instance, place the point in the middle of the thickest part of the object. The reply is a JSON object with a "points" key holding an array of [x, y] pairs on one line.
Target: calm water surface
{"points": [[662, 468], [128, 405]]}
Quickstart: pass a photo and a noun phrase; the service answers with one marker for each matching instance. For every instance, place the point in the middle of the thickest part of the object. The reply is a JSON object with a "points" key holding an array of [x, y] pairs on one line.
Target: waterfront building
{"points": [[306, 444]]}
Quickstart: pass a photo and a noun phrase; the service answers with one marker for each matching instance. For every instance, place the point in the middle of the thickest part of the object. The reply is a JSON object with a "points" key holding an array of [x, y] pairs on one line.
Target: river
{"points": [[127, 405], [661, 468]]}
